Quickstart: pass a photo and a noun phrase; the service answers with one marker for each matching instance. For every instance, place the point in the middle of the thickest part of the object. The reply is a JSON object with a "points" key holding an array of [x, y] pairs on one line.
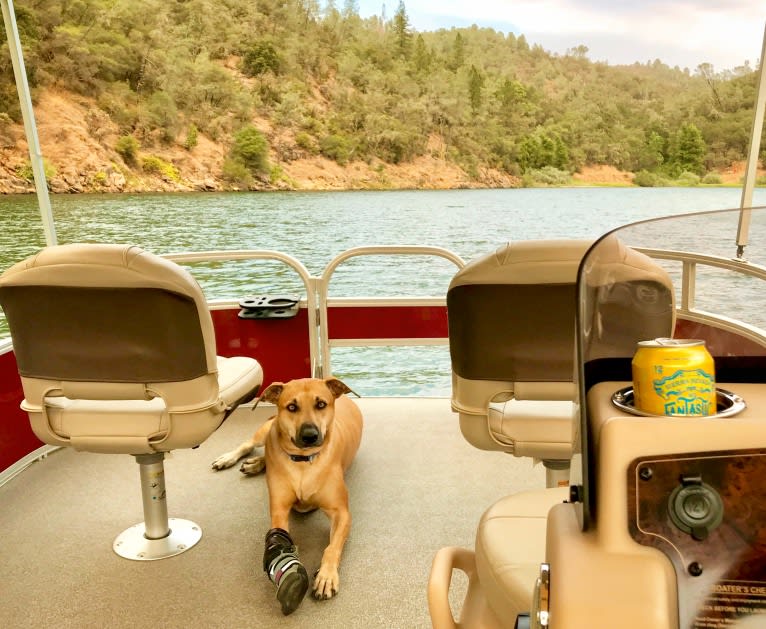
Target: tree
{"points": [[402, 33], [689, 150], [350, 7], [458, 52], [542, 148], [653, 154], [251, 149], [421, 57], [260, 58], [475, 87]]}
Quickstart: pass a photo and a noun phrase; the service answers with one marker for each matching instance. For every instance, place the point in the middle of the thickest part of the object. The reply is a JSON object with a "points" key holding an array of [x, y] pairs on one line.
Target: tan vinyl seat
{"points": [[635, 301], [116, 352], [511, 334], [510, 546]]}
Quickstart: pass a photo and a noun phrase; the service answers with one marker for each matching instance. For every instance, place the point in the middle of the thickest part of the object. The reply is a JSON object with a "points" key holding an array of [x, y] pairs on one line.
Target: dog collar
{"points": [[302, 458]]}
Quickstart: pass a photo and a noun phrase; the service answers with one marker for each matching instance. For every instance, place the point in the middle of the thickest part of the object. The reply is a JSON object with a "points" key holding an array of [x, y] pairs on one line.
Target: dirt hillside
{"points": [[77, 141]]}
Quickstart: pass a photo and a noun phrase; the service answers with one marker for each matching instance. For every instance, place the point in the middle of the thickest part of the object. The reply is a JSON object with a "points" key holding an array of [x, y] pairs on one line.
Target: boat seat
{"points": [[116, 352], [511, 335], [635, 301], [510, 546]]}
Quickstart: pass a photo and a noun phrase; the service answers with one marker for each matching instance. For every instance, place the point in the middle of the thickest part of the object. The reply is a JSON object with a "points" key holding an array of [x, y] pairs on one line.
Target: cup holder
{"points": [[727, 404]]}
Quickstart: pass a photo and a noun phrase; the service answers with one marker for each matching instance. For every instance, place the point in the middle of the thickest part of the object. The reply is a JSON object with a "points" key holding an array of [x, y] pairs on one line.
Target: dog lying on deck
{"points": [[309, 444]]}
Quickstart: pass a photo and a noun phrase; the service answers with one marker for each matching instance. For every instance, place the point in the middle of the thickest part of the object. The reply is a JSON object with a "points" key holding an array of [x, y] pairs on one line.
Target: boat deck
{"points": [[416, 485]]}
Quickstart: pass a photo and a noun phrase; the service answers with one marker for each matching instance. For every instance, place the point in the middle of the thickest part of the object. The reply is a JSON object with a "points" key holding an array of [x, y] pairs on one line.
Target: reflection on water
{"points": [[315, 227]]}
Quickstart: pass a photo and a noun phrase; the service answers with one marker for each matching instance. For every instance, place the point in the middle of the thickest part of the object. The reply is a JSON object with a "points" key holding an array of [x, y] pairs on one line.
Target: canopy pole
{"points": [[30, 127], [746, 203]]}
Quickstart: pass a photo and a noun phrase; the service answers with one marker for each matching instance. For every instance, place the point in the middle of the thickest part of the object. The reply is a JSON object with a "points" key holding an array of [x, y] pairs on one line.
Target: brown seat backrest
{"points": [[109, 322]]}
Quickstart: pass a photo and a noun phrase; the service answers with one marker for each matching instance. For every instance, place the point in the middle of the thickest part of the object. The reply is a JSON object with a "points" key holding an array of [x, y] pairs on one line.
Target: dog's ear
{"points": [[272, 392], [337, 387]]}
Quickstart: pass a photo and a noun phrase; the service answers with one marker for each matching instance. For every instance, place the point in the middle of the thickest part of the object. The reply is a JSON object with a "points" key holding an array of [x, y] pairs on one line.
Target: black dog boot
{"points": [[281, 563]]}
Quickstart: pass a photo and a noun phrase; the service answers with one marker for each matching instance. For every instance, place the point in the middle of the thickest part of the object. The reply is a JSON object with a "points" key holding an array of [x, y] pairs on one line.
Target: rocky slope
{"points": [[77, 141]]}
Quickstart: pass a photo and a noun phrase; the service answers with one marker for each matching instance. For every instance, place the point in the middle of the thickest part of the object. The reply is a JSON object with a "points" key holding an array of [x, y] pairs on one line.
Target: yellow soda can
{"points": [[674, 377]]}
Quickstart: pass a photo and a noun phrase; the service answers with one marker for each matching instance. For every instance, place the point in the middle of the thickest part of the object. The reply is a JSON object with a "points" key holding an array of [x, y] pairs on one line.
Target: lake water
{"points": [[314, 227]]}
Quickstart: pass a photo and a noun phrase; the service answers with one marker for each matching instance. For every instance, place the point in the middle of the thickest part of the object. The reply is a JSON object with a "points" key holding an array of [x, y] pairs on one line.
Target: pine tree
{"points": [[402, 34], [475, 87]]}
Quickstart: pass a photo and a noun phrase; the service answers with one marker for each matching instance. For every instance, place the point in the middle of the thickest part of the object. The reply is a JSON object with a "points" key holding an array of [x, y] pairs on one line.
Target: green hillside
{"points": [[328, 82]]}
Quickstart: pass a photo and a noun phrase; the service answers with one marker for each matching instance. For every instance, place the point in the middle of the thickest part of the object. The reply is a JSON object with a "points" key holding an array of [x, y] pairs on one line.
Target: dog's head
{"points": [[305, 409]]}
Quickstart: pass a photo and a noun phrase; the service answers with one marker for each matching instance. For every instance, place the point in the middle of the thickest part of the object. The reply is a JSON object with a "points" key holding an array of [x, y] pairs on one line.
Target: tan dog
{"points": [[309, 444]]}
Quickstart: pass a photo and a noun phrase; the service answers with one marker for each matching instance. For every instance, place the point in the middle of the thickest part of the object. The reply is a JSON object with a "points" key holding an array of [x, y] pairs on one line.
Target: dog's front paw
{"points": [[225, 460], [253, 466], [326, 583]]}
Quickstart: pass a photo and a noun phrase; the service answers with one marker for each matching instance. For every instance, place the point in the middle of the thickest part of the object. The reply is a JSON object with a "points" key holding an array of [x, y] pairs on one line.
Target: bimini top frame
{"points": [[30, 127]]}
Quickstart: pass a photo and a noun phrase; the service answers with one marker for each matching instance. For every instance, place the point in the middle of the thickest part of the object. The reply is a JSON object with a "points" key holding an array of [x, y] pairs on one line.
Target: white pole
{"points": [[30, 127], [752, 157]]}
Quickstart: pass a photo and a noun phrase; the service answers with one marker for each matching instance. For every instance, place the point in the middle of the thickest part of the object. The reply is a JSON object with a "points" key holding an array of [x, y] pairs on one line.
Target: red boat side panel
{"points": [[387, 322], [281, 346], [16, 436]]}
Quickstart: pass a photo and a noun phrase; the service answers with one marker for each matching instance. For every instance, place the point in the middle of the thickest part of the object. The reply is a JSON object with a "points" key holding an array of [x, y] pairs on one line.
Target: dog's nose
{"points": [[308, 435]]}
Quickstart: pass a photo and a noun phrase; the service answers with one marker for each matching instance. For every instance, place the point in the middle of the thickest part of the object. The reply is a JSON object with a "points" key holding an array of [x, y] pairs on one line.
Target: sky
{"points": [[684, 33]]}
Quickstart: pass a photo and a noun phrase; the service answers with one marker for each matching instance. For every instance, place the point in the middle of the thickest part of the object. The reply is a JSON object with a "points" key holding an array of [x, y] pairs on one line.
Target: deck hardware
{"points": [[646, 473], [695, 568], [575, 493], [269, 307], [541, 598], [695, 507], [727, 403]]}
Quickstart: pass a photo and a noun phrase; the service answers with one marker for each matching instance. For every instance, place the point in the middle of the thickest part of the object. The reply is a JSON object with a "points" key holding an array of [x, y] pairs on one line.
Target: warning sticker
{"points": [[730, 603]]}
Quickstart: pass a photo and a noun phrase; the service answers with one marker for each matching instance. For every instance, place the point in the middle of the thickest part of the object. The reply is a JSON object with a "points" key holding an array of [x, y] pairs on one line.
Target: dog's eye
{"points": [[292, 407], [321, 404]]}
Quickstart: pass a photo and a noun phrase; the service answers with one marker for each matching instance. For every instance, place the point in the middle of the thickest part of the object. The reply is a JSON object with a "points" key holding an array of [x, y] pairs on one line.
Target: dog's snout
{"points": [[309, 435]]}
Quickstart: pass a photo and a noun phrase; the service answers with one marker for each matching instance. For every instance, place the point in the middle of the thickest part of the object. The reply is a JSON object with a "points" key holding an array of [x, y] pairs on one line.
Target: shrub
{"points": [[251, 149], [305, 142], [191, 137], [546, 176], [25, 171], [688, 179], [236, 172], [157, 166], [160, 113], [127, 147], [262, 57], [712, 179], [335, 147], [645, 179]]}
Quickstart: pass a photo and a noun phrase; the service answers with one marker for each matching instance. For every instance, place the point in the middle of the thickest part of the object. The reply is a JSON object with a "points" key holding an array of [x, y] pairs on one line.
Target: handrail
{"points": [[317, 299], [689, 262], [389, 250], [324, 282], [309, 281], [317, 287]]}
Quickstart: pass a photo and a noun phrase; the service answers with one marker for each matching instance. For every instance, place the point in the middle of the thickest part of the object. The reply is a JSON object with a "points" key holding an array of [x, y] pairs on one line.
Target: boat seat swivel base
{"points": [[158, 536]]}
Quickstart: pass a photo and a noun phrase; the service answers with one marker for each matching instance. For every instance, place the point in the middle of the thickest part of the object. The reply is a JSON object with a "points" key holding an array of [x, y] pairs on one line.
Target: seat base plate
{"points": [[132, 544]]}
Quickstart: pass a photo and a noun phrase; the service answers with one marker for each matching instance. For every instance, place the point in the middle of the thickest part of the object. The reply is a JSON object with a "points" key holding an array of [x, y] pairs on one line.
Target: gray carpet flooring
{"points": [[416, 485]]}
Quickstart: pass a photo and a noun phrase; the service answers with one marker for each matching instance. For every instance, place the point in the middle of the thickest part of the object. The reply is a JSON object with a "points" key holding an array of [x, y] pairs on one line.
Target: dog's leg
{"points": [[254, 465], [327, 580], [230, 458], [280, 555], [284, 569]]}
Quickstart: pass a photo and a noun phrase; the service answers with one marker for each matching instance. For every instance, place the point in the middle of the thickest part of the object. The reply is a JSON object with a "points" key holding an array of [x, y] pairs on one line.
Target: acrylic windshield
{"points": [[683, 277]]}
